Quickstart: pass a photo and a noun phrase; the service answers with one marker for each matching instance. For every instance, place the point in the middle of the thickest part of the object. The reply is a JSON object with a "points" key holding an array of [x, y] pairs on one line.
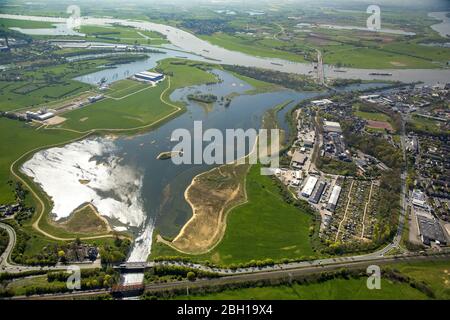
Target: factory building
{"points": [[331, 126], [149, 76], [95, 98], [334, 197], [321, 103], [298, 159], [309, 186], [430, 231], [315, 198]]}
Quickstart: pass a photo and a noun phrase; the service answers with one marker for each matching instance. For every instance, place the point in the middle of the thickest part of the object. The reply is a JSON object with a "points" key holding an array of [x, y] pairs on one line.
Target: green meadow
{"points": [[434, 274], [25, 24], [18, 138], [254, 47], [133, 104], [126, 35], [336, 289], [139, 109]]}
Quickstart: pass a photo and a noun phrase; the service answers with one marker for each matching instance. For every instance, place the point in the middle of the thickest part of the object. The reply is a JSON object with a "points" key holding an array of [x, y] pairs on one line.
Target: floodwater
{"points": [[122, 176], [152, 194], [443, 28], [188, 42], [59, 30]]}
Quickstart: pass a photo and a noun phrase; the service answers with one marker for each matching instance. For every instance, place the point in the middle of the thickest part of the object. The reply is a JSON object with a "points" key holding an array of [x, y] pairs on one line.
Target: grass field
{"points": [[435, 274], [252, 47], [136, 107], [337, 289], [265, 227], [25, 24], [136, 110], [17, 138], [373, 59], [367, 53], [425, 125], [123, 34], [125, 87], [20, 285], [36, 88], [12, 98], [375, 116]]}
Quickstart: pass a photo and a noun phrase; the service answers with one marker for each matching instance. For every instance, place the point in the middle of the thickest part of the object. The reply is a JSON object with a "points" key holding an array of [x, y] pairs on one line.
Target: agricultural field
{"points": [[136, 104], [123, 88], [18, 138], [138, 109], [24, 24], [336, 289], [252, 46], [121, 34], [433, 274]]}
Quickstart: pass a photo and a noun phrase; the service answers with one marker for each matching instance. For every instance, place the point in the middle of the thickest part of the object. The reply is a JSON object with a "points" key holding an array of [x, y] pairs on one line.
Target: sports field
{"points": [[126, 35]]}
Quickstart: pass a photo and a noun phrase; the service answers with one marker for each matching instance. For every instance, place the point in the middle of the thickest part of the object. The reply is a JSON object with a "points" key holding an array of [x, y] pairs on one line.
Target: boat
{"points": [[276, 64], [380, 74]]}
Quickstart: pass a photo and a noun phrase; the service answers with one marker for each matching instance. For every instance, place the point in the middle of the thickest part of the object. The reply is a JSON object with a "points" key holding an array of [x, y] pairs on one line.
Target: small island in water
{"points": [[204, 98], [168, 155]]}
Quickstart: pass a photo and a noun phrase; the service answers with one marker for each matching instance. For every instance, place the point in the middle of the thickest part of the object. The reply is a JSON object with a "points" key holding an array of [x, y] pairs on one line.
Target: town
{"points": [[346, 147]]}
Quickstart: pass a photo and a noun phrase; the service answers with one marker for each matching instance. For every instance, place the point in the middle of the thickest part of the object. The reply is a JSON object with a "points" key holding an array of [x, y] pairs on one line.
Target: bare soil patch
{"points": [[86, 219], [211, 195], [379, 125]]}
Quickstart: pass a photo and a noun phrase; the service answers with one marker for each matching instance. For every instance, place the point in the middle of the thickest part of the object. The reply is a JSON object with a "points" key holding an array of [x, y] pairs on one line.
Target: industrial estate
{"points": [[90, 108]]}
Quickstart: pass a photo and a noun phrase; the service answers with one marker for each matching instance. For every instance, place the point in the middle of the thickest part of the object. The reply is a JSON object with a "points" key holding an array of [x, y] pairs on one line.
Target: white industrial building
{"points": [[322, 102], [149, 76], [309, 186], [334, 197], [40, 115]]}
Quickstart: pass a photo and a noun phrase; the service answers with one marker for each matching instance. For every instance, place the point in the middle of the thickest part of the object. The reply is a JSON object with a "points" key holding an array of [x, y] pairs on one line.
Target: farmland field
{"points": [[337, 289]]}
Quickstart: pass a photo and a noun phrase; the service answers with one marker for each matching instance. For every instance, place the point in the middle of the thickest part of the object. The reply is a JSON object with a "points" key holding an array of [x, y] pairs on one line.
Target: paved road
{"points": [[4, 258], [6, 265]]}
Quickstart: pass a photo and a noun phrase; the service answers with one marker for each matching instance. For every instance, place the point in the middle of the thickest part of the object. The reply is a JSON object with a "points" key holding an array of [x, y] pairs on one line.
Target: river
{"points": [[121, 176], [188, 42]]}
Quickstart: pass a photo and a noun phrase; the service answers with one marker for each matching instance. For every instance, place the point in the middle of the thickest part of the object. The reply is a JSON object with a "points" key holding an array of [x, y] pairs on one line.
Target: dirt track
{"points": [[211, 195]]}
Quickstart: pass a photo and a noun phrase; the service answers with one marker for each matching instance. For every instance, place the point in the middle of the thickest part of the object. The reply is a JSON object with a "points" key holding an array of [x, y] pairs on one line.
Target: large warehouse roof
{"points": [[309, 186], [334, 195]]}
